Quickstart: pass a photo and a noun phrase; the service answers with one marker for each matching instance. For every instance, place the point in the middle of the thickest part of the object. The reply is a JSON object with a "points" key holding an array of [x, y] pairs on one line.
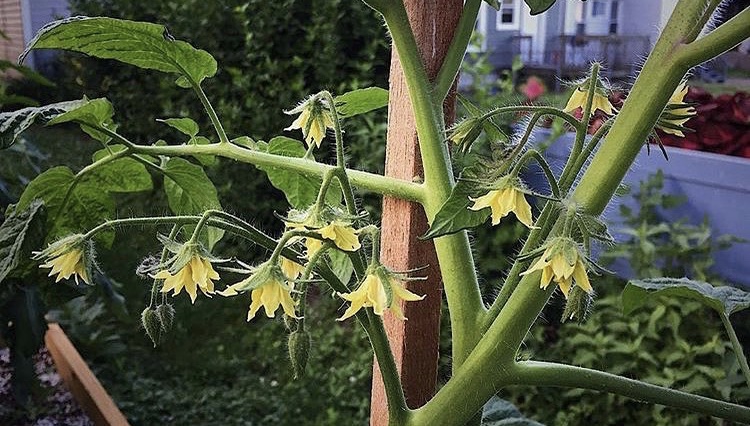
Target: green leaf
{"points": [[300, 190], [190, 191], [185, 125], [723, 299], [87, 205], [454, 215], [539, 6], [13, 235], [121, 175], [13, 123], [91, 115], [495, 4], [361, 101], [341, 264], [142, 44]]}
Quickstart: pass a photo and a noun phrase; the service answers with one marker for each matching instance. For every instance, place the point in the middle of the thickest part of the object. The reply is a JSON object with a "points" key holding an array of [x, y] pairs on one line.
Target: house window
{"points": [[598, 8], [613, 14], [508, 16]]}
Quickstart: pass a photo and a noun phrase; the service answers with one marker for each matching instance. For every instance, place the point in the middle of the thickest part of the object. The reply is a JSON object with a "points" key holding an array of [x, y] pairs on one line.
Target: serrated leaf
{"points": [[723, 299], [361, 101], [454, 215], [121, 175], [13, 235], [142, 44], [86, 205], [91, 114], [185, 125], [300, 190], [539, 6], [13, 123], [191, 192]]}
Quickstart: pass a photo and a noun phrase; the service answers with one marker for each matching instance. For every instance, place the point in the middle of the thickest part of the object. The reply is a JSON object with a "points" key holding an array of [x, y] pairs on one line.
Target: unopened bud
{"points": [[299, 351], [152, 325], [577, 305], [165, 313]]}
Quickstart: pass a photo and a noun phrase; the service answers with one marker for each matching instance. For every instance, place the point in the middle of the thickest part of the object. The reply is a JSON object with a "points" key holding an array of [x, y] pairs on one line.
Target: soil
{"points": [[54, 406]]}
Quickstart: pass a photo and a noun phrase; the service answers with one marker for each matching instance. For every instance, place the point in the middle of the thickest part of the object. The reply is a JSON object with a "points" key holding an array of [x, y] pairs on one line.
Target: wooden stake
{"points": [[414, 342]]}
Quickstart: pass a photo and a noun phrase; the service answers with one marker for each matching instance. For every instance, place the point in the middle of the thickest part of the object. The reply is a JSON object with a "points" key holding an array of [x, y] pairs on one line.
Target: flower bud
{"points": [[577, 305], [299, 351], [152, 325], [165, 313]]}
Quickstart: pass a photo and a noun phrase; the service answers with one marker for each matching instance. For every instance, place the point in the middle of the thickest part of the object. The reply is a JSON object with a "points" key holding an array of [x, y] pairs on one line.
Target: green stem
{"points": [[210, 112], [534, 154], [736, 346], [718, 41], [340, 161], [533, 373], [695, 31], [456, 51], [543, 110], [162, 259], [369, 181], [201, 223], [454, 252]]}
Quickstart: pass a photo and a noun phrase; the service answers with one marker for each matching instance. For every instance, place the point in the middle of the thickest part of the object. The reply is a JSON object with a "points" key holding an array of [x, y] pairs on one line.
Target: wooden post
{"points": [[414, 342]]}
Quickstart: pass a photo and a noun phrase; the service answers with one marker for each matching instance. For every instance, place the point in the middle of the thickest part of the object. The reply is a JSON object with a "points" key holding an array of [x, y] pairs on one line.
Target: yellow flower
{"points": [[579, 97], [291, 269], [68, 263], [503, 201], [313, 120], [312, 245], [271, 295], [563, 263], [268, 289], [676, 116], [341, 234], [372, 293], [196, 274]]}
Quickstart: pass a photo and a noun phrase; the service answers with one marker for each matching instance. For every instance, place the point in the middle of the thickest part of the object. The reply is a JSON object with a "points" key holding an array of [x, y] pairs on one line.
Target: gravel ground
{"points": [[56, 405]]}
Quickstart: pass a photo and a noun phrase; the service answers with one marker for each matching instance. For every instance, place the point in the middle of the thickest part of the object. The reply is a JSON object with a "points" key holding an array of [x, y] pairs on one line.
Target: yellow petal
{"points": [[581, 278], [523, 210], [400, 292]]}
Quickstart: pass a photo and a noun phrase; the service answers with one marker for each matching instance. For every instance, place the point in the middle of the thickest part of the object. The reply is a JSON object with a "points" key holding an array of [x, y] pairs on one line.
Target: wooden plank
{"points": [[81, 382], [415, 342]]}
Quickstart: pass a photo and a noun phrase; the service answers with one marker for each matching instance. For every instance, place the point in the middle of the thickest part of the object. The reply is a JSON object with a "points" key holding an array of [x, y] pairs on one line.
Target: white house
{"points": [[572, 33], [21, 19]]}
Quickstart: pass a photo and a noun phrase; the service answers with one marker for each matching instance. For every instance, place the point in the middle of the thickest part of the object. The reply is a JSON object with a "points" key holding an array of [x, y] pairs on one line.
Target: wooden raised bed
{"points": [[81, 382]]}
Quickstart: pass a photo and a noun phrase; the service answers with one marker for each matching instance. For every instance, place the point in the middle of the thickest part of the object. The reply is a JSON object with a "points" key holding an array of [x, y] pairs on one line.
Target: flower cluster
{"points": [[70, 256], [314, 118], [269, 287], [380, 290], [564, 263], [505, 197]]}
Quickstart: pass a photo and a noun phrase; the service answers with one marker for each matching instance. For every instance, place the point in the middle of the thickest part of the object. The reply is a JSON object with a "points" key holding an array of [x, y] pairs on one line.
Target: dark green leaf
{"points": [[539, 6], [361, 101], [91, 115], [723, 299], [142, 44], [13, 123], [300, 190], [185, 125], [190, 191], [121, 175], [86, 205], [13, 234], [455, 215]]}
